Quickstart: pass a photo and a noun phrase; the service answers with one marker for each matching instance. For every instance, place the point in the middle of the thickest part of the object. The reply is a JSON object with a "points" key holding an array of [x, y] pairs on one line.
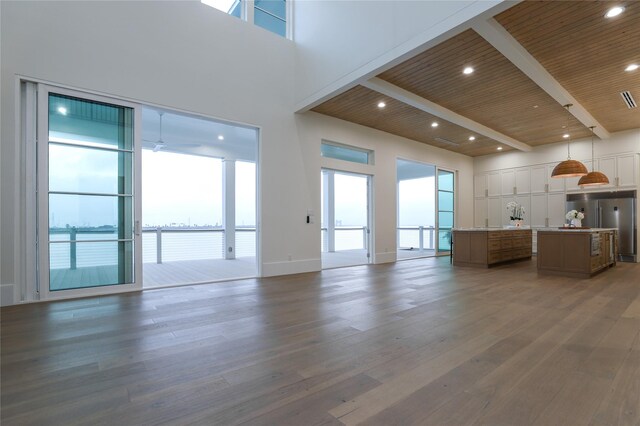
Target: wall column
{"points": [[229, 207]]}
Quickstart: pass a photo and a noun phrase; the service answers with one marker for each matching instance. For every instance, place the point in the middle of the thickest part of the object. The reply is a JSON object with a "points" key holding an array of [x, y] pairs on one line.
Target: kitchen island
{"points": [[485, 247], [579, 253]]}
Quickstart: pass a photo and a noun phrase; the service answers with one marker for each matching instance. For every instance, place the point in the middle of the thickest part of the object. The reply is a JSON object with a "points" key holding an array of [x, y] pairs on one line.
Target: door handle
{"points": [[136, 227]]}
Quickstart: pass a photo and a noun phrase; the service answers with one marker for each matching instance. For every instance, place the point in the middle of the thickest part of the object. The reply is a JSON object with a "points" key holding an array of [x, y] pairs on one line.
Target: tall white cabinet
{"points": [[543, 197]]}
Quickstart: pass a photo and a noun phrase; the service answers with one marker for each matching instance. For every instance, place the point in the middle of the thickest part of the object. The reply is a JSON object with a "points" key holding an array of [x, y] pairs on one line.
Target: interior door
{"points": [[88, 231]]}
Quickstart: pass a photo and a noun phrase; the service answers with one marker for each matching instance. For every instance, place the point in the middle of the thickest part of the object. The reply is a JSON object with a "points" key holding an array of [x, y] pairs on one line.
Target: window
{"points": [[232, 7], [271, 15], [445, 209], [346, 153], [268, 14]]}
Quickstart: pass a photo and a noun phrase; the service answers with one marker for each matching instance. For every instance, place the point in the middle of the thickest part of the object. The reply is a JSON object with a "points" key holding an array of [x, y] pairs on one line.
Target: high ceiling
{"points": [[528, 62]]}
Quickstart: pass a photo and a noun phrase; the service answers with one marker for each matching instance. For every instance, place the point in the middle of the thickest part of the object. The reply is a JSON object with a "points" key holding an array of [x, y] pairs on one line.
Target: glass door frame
{"points": [[369, 235], [437, 212], [42, 208]]}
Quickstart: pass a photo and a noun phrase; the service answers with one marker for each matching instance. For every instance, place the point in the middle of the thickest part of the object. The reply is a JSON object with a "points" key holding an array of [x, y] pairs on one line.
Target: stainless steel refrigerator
{"points": [[610, 210]]}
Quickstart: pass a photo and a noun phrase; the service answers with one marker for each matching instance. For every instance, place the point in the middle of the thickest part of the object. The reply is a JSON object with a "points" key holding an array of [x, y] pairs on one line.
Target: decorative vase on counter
{"points": [[576, 223], [517, 223]]}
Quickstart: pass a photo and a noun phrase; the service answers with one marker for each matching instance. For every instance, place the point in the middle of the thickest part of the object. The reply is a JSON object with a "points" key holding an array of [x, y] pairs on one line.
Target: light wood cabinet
{"points": [[487, 248], [576, 253]]}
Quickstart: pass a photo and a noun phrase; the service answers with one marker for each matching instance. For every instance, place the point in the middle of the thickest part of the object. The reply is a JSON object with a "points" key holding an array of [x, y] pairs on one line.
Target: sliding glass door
{"points": [[445, 209], [88, 224]]}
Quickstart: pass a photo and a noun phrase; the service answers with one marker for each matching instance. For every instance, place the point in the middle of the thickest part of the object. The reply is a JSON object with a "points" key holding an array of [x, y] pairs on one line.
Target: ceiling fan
{"points": [[161, 143]]}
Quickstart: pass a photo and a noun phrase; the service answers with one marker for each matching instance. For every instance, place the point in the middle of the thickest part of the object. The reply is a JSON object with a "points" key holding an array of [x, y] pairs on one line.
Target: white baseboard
{"points": [[389, 257], [7, 294], [291, 267]]}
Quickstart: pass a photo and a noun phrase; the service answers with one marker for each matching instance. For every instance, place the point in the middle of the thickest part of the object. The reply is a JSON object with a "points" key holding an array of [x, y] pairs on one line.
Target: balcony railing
{"points": [[413, 237], [158, 245], [347, 238]]}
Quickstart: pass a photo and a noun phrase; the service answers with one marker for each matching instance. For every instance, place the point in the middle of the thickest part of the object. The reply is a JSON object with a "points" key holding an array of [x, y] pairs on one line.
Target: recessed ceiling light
{"points": [[614, 11], [566, 136], [381, 105], [472, 138], [467, 70], [220, 137], [434, 124], [632, 67], [62, 110], [499, 148]]}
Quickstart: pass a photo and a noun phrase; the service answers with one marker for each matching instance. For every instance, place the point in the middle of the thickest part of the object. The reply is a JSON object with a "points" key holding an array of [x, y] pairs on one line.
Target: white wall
{"points": [[194, 58], [341, 41], [619, 143], [181, 55], [313, 128]]}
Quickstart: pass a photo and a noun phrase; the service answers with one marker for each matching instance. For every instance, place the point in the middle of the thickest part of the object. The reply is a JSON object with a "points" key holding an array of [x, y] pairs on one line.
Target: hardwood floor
{"points": [[416, 342]]}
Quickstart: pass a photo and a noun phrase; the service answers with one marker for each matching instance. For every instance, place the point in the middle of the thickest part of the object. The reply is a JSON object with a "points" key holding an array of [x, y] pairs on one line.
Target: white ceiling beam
{"points": [[504, 42], [432, 108]]}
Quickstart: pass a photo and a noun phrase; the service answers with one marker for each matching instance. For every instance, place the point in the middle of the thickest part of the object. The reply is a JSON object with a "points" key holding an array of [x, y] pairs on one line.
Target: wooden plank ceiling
{"points": [[586, 53], [359, 105]]}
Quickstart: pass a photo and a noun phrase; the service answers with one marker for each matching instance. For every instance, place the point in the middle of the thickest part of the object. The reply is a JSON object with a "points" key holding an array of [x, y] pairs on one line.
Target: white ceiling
{"points": [[198, 136]]}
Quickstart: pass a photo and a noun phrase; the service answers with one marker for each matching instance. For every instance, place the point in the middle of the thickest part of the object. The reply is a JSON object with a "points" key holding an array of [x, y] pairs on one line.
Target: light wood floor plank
{"points": [[415, 342]]}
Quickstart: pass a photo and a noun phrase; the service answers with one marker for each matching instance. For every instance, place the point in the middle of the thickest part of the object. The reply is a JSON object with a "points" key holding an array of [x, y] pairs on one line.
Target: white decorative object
{"points": [[516, 213], [575, 218]]}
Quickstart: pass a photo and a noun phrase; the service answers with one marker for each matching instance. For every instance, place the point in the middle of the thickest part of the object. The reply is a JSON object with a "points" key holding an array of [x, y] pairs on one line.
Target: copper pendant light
{"points": [[569, 167], [593, 178]]}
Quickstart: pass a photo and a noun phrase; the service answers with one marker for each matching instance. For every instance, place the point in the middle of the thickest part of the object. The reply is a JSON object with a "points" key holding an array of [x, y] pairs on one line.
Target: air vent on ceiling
{"points": [[447, 141], [628, 99]]}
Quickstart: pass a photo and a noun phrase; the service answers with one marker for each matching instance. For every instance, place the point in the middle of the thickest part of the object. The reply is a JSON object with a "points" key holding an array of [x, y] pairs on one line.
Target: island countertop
{"points": [[577, 229], [515, 228]]}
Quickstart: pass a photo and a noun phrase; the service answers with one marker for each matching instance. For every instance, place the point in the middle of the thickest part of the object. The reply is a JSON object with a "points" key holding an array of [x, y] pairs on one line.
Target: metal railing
{"points": [[346, 238], [171, 244], [164, 243], [416, 238]]}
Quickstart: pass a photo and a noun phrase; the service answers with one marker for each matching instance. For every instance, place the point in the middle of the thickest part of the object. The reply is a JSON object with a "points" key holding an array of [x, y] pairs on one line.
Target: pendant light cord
{"points": [[593, 152], [567, 106]]}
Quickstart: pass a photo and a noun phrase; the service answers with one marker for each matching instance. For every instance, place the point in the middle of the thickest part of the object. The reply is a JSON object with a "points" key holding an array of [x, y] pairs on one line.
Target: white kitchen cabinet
{"points": [[556, 209], [608, 167], [626, 168], [494, 184], [555, 184], [508, 179], [523, 181], [572, 183], [525, 201], [480, 212], [494, 212], [539, 213], [506, 214], [480, 186], [539, 178]]}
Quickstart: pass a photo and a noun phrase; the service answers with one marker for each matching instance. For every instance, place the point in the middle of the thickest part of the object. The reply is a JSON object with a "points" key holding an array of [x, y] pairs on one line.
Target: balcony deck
{"points": [[197, 271]]}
